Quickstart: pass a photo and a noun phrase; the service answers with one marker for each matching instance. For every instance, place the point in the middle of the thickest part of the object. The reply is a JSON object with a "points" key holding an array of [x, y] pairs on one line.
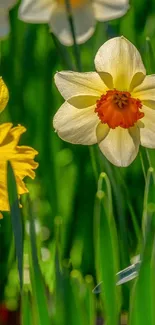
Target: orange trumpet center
{"points": [[74, 3], [118, 108]]}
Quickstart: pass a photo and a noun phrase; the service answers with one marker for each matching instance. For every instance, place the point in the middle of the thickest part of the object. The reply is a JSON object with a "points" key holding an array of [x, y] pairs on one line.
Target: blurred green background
{"points": [[77, 232]]}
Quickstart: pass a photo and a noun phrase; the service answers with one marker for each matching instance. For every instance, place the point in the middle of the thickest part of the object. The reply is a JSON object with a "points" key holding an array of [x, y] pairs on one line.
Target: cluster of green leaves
{"points": [[73, 232]]}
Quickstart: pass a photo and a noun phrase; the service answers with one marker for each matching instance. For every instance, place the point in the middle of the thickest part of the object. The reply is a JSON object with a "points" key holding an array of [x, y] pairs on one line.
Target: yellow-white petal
{"points": [[121, 146], [84, 23], [110, 9], [7, 4], [83, 101], [147, 132], [72, 84], [36, 11], [146, 91], [102, 131], [75, 125], [4, 23], [122, 60]]}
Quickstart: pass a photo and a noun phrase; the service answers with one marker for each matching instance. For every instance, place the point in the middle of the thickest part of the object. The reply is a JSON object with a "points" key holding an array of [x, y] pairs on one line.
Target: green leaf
{"points": [[150, 59], [26, 310], [15, 219], [106, 251], [142, 299], [38, 287]]}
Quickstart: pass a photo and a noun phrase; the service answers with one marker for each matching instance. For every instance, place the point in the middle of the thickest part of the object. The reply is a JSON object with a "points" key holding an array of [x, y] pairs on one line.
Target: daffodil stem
{"points": [[93, 161], [64, 54], [72, 27], [79, 68]]}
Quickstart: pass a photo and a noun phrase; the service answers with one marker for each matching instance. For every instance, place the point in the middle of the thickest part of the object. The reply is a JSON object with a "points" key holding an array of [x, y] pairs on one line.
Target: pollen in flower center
{"points": [[118, 108], [74, 3]]}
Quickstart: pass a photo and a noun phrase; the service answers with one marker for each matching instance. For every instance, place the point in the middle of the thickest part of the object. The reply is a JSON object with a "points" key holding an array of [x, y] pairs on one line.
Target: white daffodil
{"points": [[5, 6], [114, 107], [85, 13]]}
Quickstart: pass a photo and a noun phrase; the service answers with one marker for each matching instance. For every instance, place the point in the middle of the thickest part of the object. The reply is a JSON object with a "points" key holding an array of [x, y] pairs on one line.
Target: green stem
{"points": [[64, 54], [72, 27]]}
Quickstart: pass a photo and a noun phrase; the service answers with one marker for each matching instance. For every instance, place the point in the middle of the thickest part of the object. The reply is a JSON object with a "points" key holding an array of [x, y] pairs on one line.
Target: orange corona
{"points": [[74, 3], [118, 108]]}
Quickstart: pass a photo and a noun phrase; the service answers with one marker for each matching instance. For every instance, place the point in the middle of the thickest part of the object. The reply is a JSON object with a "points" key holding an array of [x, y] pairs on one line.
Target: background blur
{"points": [[72, 248]]}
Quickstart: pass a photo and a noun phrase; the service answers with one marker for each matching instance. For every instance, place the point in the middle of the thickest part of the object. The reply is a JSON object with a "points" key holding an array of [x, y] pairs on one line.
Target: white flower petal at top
{"points": [[123, 116], [36, 11], [121, 60], [84, 12], [84, 22]]}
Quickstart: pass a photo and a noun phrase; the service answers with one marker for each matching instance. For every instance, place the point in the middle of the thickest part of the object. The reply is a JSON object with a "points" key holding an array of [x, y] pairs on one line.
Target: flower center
{"points": [[74, 3], [118, 108]]}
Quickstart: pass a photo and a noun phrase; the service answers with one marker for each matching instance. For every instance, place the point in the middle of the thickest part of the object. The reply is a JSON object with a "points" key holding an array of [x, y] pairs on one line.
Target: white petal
{"points": [[109, 10], [84, 22], [121, 146], [7, 4], [122, 60], [76, 125], [147, 133], [36, 11], [72, 84], [4, 24], [146, 91]]}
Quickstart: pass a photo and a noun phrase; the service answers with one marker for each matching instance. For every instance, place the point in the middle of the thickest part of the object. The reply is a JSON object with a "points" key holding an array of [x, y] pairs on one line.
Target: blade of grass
{"points": [[38, 287], [142, 299], [149, 199], [72, 27], [15, 219], [150, 59], [90, 300], [26, 312], [106, 251]]}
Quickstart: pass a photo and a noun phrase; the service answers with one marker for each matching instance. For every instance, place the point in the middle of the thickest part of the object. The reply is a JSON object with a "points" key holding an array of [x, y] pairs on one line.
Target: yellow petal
{"points": [[102, 131], [83, 101], [121, 146], [4, 95], [4, 130], [121, 59], [76, 125], [21, 158]]}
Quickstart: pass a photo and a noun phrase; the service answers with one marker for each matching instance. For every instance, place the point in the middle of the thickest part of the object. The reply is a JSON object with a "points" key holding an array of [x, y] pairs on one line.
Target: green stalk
{"points": [[72, 27]]}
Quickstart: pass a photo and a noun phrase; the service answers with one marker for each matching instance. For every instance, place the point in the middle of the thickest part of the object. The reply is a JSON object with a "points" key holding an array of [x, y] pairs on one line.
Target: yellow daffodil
{"points": [[5, 6], [85, 13], [4, 95], [21, 158], [114, 107]]}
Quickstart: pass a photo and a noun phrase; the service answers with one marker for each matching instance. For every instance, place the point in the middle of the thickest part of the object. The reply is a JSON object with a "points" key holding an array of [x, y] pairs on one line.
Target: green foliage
{"points": [[85, 219]]}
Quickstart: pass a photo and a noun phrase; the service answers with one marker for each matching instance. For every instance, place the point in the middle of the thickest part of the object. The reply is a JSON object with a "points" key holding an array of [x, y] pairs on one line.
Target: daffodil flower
{"points": [[84, 12], [5, 6], [20, 157], [114, 107]]}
